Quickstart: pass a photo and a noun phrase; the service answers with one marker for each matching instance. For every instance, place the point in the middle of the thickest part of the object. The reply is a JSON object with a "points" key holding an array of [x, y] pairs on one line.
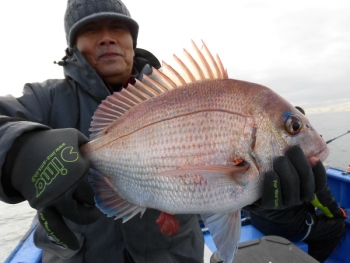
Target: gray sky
{"points": [[300, 49]]}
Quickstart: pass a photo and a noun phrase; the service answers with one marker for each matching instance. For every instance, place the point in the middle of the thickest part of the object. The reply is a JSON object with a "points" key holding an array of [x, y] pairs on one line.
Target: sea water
{"points": [[331, 125], [16, 219]]}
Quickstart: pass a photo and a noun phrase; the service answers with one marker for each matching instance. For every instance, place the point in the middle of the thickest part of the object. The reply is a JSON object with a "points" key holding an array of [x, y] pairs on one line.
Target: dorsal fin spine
{"points": [[153, 84], [123, 97], [145, 88], [131, 96], [222, 69], [179, 78], [119, 103], [104, 114], [210, 59], [162, 79], [208, 73], [185, 69], [194, 65], [111, 110], [138, 93]]}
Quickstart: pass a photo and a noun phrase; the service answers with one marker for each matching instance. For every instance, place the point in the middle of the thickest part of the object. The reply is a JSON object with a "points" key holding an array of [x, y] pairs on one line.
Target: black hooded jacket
{"points": [[71, 103]]}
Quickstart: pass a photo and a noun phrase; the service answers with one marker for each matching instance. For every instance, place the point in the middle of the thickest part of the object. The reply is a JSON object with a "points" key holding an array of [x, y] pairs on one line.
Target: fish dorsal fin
{"points": [[200, 66]]}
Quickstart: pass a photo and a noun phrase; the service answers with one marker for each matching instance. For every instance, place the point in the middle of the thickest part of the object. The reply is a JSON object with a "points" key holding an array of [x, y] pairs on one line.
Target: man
{"points": [[101, 57], [40, 135]]}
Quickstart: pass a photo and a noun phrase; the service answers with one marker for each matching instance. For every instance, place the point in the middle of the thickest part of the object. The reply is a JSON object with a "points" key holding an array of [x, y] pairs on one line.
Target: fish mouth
{"points": [[320, 155]]}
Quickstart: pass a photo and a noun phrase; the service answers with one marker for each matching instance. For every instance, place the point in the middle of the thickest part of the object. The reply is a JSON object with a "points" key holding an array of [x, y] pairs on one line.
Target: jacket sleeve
{"points": [[17, 116]]}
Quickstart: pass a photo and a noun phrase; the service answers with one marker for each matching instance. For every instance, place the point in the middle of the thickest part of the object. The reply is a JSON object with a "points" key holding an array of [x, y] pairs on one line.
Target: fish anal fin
{"points": [[226, 231], [108, 200]]}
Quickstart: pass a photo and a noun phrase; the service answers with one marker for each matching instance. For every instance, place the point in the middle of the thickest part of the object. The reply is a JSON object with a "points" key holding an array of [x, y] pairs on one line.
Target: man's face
{"points": [[107, 46]]}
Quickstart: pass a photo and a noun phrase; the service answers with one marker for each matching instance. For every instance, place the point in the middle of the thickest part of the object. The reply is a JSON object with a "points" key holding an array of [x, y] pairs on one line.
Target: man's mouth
{"points": [[109, 55]]}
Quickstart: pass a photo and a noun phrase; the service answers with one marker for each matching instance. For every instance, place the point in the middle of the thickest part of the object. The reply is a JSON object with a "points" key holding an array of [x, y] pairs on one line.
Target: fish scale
{"points": [[171, 143]]}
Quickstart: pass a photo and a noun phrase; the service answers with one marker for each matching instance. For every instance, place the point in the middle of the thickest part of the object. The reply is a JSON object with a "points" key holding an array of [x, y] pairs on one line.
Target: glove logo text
{"points": [[53, 166], [52, 235]]}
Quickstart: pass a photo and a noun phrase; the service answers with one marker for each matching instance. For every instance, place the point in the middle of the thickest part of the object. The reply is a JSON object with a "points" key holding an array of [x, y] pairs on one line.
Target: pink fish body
{"points": [[197, 144]]}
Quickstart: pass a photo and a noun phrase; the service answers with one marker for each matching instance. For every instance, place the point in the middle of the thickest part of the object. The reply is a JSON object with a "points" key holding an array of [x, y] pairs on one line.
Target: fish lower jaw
{"points": [[320, 155]]}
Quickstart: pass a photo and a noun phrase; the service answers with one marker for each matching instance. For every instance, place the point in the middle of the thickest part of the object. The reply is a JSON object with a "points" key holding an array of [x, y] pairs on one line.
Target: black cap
{"points": [[81, 12]]}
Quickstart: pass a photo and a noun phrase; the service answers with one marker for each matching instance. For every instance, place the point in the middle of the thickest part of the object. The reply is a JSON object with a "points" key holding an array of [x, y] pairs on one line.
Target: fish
{"points": [[190, 140]]}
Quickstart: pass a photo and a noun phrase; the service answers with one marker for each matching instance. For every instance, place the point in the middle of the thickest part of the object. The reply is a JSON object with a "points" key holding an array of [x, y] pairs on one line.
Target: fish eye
{"points": [[293, 124]]}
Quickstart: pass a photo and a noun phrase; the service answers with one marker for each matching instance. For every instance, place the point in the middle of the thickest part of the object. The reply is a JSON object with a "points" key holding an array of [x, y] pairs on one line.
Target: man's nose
{"points": [[106, 38]]}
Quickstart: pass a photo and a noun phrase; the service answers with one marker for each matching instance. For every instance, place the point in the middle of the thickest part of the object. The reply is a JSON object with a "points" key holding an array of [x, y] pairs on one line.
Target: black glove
{"points": [[47, 169], [292, 181], [327, 204]]}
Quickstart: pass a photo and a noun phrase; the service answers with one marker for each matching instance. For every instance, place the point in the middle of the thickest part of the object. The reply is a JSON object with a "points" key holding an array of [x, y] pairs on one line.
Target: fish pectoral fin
{"points": [[108, 200], [226, 231], [207, 170]]}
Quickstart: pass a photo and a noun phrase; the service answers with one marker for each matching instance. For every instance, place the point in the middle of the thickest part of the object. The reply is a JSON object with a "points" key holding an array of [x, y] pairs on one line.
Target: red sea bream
{"points": [[191, 140]]}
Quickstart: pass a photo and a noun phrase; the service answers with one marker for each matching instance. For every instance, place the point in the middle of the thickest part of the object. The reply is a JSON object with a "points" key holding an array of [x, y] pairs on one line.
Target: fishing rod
{"points": [[337, 137]]}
